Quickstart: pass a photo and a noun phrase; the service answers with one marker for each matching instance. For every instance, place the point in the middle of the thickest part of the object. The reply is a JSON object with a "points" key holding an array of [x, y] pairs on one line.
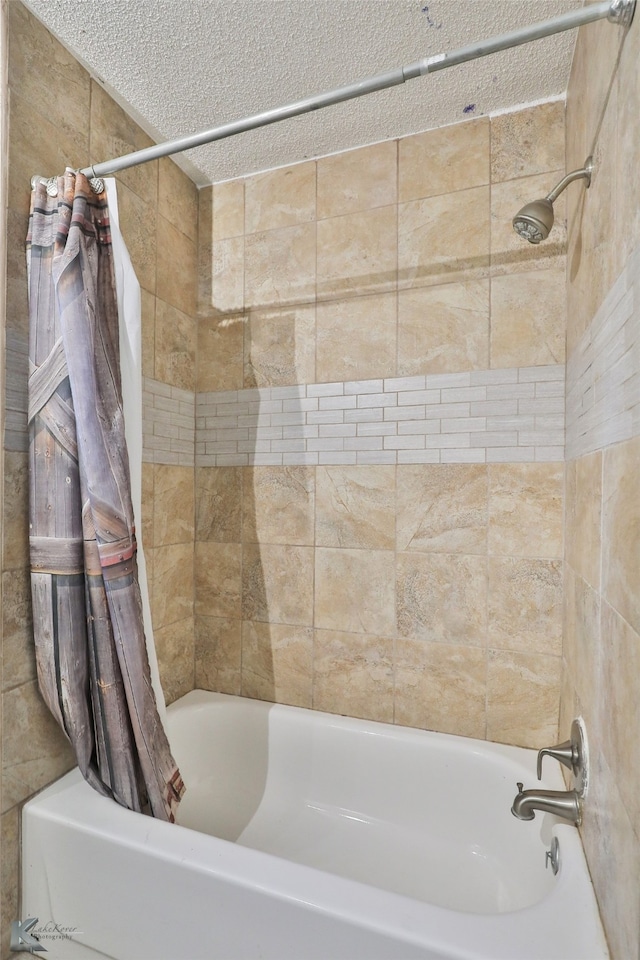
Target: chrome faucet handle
{"points": [[572, 754], [564, 753]]}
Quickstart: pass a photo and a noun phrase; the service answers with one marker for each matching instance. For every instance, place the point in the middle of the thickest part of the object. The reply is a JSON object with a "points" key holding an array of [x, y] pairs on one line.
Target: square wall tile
{"points": [[218, 580], [277, 584], [443, 329], [355, 507], [356, 338], [17, 288], [174, 505], [353, 675], [583, 514], [114, 133], [177, 198], [280, 198], [219, 504], [35, 751], [525, 605], [442, 508], [175, 346], [9, 875], [612, 846], [583, 647], [277, 662], [355, 590], [627, 174], [444, 160], [138, 222], [148, 321], [220, 352], [621, 669], [15, 511], [148, 478], [357, 253], [177, 265], [280, 346], [48, 75], [174, 645], [18, 650], [37, 144], [205, 248], [621, 530], [523, 691], [525, 509], [278, 505], [280, 267], [528, 318], [442, 598], [357, 180], [526, 142], [218, 655], [228, 209], [444, 239], [173, 583], [441, 687], [227, 275]]}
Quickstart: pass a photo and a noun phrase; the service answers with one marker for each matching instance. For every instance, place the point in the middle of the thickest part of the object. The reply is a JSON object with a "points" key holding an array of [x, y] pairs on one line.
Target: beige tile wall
{"points": [[59, 116], [601, 656], [430, 594]]}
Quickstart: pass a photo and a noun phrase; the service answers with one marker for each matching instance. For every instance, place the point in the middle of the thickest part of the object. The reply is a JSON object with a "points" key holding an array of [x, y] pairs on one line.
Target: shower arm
{"points": [[583, 174], [616, 11]]}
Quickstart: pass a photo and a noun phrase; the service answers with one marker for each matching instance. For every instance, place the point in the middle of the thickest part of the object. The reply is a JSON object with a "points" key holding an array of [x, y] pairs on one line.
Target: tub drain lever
{"points": [[552, 856]]}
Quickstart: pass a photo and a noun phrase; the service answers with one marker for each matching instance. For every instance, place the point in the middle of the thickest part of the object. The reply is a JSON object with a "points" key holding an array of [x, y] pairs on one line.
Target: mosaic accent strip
{"points": [[603, 373], [168, 415], [484, 416]]}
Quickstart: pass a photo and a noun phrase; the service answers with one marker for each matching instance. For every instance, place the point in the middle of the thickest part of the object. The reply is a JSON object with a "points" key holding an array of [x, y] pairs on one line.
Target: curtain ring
{"points": [[51, 184]]}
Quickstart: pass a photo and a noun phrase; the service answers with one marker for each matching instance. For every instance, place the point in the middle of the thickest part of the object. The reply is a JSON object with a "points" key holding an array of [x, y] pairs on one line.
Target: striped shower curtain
{"points": [[93, 669]]}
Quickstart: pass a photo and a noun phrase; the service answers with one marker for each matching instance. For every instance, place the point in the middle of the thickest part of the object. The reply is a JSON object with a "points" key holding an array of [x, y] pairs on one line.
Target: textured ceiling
{"points": [[188, 65]]}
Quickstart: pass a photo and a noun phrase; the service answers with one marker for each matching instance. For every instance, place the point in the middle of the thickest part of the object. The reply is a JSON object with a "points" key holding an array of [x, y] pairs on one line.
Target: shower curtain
{"points": [[93, 668]]}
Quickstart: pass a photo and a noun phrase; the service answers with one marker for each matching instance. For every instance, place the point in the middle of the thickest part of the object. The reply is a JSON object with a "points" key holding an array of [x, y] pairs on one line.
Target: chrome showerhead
{"points": [[534, 221]]}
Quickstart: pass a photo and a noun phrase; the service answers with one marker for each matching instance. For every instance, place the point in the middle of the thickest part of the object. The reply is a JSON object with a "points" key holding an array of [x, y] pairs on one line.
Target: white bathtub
{"points": [[307, 836]]}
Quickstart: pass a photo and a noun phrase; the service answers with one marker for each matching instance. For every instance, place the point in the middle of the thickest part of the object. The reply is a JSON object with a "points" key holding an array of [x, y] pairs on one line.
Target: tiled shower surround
{"points": [[380, 433]]}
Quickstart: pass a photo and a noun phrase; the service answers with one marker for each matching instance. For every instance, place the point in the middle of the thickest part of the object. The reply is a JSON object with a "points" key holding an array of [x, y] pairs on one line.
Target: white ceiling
{"points": [[188, 65]]}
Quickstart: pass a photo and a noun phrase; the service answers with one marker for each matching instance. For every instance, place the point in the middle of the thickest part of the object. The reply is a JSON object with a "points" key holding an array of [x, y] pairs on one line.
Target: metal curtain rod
{"points": [[617, 11]]}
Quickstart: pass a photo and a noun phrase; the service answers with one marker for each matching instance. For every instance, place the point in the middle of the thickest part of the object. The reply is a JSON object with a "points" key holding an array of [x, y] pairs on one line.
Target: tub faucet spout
{"points": [[562, 803]]}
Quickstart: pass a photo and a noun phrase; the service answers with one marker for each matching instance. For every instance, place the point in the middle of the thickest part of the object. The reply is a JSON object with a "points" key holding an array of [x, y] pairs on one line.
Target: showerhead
{"points": [[534, 221]]}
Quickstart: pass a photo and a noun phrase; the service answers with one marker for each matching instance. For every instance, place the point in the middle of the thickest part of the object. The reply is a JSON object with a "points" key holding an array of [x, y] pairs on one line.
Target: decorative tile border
{"points": [[603, 373], [487, 416], [168, 415], [492, 416]]}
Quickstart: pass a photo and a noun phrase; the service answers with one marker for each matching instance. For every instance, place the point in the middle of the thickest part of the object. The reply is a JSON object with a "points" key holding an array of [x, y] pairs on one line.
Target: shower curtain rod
{"points": [[616, 11]]}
